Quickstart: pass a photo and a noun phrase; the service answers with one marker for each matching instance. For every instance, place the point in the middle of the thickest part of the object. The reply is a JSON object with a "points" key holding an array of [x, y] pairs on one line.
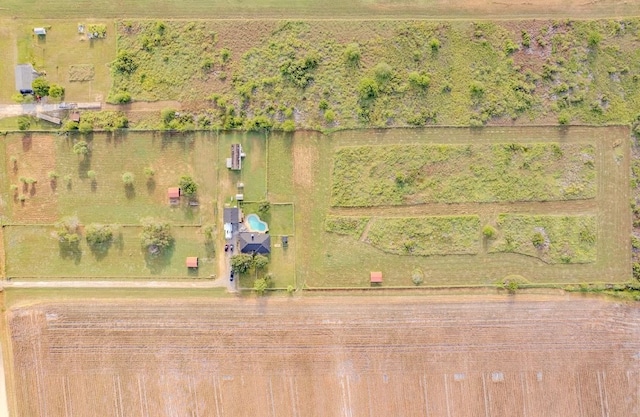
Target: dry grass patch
{"points": [[81, 72]]}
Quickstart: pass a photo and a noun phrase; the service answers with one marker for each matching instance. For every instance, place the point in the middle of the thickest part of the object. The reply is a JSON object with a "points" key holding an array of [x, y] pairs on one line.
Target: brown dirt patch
{"points": [[305, 160], [458, 356], [35, 158]]}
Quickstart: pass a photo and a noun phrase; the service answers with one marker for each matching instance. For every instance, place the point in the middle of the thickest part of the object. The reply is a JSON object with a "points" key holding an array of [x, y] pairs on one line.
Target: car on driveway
{"points": [[228, 231]]}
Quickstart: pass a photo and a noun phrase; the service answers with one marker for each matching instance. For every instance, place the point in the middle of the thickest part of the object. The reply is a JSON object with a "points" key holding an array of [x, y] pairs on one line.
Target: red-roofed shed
{"points": [[376, 277], [192, 262], [174, 195]]}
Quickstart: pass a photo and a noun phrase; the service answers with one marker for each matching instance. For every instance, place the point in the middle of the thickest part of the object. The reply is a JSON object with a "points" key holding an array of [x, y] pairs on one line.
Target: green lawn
{"points": [[34, 251], [64, 47], [254, 166], [107, 199], [280, 168]]}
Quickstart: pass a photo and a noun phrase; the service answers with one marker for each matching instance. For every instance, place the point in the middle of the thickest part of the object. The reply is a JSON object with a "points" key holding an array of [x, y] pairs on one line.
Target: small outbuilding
{"points": [[40, 31], [376, 277], [285, 241], [192, 262], [74, 117], [173, 193]]}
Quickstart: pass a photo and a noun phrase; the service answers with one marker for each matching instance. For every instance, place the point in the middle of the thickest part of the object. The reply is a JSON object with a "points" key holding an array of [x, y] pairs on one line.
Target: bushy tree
{"points": [[489, 231], [40, 87], [188, 186], [56, 91], [24, 123], [99, 235], [417, 276], [260, 285], [127, 179], [260, 261], [352, 54], [156, 236], [124, 63], [241, 262], [81, 148]]}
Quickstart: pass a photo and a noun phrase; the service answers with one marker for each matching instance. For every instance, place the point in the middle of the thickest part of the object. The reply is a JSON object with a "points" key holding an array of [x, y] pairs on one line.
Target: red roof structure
{"points": [[376, 277], [192, 262], [173, 192]]}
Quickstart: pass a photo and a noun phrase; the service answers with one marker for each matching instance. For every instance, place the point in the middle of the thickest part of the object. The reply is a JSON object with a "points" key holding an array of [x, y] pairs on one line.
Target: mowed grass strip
{"points": [[423, 236], [553, 239], [366, 176]]}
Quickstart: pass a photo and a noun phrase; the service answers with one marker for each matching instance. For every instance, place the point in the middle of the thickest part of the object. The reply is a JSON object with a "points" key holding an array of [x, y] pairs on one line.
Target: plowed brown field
{"points": [[331, 356]]}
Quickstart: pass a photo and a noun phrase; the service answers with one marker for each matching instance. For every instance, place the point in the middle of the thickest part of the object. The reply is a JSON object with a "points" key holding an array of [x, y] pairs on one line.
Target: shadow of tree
{"points": [[130, 191], [70, 251], [27, 141], [151, 185], [158, 262], [101, 250]]}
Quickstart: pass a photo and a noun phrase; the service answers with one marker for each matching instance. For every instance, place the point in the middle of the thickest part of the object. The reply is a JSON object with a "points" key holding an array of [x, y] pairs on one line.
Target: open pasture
{"points": [[104, 198], [34, 252], [340, 252], [415, 356]]}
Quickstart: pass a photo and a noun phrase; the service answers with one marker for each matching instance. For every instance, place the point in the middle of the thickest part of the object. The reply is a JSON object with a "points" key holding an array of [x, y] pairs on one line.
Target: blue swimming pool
{"points": [[255, 224]]}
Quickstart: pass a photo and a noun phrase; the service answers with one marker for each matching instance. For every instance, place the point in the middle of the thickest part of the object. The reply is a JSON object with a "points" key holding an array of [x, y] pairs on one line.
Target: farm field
{"points": [[348, 242], [412, 355]]}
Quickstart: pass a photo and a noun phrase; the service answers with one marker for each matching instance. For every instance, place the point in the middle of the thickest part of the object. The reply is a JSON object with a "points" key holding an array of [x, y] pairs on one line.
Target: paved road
{"points": [[12, 110]]}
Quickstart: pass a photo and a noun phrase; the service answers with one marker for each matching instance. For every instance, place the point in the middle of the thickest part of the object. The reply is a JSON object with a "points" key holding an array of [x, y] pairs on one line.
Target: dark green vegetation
{"points": [[445, 235], [328, 75], [413, 174], [554, 239]]}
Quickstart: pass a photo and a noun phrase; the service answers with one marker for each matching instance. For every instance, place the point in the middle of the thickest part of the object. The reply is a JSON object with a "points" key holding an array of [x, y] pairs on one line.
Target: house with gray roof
{"points": [[251, 242], [25, 74]]}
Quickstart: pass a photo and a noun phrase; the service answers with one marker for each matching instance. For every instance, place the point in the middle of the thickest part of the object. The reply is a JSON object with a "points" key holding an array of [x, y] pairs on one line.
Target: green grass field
{"points": [[34, 252], [413, 174], [311, 9], [105, 198], [554, 239]]}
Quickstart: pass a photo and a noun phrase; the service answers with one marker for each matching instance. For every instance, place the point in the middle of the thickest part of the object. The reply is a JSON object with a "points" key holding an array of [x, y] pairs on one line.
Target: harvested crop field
{"points": [[530, 355]]}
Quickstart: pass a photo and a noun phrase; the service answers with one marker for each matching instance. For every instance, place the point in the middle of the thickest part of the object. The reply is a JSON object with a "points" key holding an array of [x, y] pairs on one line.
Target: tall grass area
{"points": [[442, 235], [336, 74], [414, 174], [553, 239]]}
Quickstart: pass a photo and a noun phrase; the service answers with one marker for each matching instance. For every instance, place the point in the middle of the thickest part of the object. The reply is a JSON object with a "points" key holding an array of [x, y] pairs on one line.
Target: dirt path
{"points": [[442, 209]]}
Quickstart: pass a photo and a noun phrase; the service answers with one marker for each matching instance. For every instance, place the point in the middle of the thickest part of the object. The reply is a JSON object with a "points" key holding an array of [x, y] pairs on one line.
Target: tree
{"points": [[156, 236], [40, 87], [260, 261], [149, 173], [24, 123], [81, 148], [352, 54], [122, 97], [127, 179], [99, 236], [241, 262], [261, 284], [56, 91], [69, 238], [417, 276], [538, 239], [188, 186], [489, 231], [85, 127]]}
